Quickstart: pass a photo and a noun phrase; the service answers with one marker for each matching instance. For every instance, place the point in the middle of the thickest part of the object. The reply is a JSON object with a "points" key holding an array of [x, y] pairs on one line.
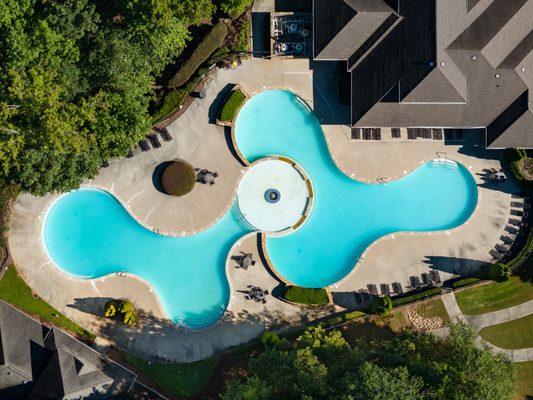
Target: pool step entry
{"points": [[444, 162], [203, 321], [241, 219]]}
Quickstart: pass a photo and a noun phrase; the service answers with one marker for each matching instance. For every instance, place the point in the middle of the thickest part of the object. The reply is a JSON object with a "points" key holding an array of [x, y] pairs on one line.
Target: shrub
{"points": [[123, 310], [213, 40], [464, 282], [178, 178], [398, 301], [499, 272], [270, 339], [353, 315], [381, 306], [302, 295], [234, 101]]}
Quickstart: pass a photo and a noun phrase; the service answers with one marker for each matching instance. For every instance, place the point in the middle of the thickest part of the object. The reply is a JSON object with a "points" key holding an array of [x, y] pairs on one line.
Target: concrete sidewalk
{"points": [[493, 318], [499, 317]]}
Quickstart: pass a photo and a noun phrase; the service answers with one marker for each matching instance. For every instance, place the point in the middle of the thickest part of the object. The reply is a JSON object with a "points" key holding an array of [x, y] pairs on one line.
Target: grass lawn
{"points": [[176, 379], [525, 380], [14, 290], [494, 296], [514, 334], [234, 101], [434, 308]]}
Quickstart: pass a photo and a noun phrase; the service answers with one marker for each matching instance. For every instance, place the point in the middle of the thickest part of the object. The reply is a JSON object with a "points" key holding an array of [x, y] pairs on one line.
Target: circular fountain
{"points": [[274, 195]]}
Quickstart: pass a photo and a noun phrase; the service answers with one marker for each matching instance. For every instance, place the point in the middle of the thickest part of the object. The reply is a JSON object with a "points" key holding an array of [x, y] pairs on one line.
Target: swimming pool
{"points": [[89, 234]]}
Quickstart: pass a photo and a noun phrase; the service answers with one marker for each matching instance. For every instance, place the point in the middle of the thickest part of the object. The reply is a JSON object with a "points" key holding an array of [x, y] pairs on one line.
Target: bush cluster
{"points": [[381, 306], [398, 301], [213, 40], [123, 310], [178, 178], [302, 295]]}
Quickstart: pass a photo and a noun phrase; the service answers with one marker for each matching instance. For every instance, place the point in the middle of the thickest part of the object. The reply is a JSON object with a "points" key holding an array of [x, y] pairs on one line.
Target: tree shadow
{"points": [[215, 106], [457, 266], [90, 305], [158, 174], [160, 339]]}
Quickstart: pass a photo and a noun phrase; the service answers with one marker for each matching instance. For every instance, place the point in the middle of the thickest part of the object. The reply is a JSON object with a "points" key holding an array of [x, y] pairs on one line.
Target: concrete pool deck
{"points": [[204, 145]]}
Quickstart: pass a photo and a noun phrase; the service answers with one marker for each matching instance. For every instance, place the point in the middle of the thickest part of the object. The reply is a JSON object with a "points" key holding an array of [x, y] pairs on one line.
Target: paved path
{"points": [[499, 317], [452, 307], [493, 318]]}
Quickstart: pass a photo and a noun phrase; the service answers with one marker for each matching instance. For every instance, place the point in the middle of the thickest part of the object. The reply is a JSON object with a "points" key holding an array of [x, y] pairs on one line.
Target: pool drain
{"points": [[272, 195]]}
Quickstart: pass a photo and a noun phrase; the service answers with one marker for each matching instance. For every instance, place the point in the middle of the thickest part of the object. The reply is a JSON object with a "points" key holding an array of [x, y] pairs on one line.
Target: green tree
{"points": [[499, 272], [321, 364], [76, 82], [234, 8]]}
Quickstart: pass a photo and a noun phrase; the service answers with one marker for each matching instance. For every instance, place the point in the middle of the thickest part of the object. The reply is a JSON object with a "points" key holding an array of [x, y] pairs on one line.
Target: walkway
{"points": [[493, 318]]}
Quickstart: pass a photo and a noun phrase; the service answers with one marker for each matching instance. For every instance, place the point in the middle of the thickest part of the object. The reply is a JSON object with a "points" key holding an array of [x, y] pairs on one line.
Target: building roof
{"points": [[42, 363], [445, 63]]}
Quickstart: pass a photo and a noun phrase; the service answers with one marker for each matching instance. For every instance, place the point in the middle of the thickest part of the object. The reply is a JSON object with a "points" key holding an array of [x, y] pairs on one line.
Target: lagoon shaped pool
{"points": [[89, 234]]}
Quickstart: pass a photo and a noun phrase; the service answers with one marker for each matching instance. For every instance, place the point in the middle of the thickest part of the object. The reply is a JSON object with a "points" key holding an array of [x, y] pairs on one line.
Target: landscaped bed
{"points": [[494, 296], [434, 308], [233, 102], [15, 291], [302, 295], [515, 334]]}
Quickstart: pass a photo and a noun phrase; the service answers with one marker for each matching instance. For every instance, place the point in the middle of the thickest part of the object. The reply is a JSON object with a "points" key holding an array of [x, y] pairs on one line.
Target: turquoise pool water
{"points": [[89, 234]]}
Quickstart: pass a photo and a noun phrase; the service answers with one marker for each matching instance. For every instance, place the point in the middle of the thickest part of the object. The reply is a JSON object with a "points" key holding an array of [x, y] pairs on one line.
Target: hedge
{"points": [[207, 46], [398, 301], [524, 253], [234, 101], [464, 282], [302, 295]]}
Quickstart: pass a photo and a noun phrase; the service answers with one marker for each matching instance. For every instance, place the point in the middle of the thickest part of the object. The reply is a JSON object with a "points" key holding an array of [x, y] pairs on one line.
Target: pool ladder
{"points": [[382, 180]]}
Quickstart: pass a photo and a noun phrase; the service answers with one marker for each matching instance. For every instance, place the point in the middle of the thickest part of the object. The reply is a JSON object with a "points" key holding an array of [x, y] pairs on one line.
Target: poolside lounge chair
{"points": [[397, 287], [143, 144], [435, 276], [426, 279], [385, 289], [506, 239], [155, 141], [372, 289], [502, 248], [411, 133], [511, 229], [356, 133], [515, 221], [166, 135], [496, 255], [396, 133], [415, 281]]}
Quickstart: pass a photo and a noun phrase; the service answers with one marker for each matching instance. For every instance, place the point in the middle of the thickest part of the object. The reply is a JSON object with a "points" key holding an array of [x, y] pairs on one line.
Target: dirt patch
{"points": [[231, 366]]}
